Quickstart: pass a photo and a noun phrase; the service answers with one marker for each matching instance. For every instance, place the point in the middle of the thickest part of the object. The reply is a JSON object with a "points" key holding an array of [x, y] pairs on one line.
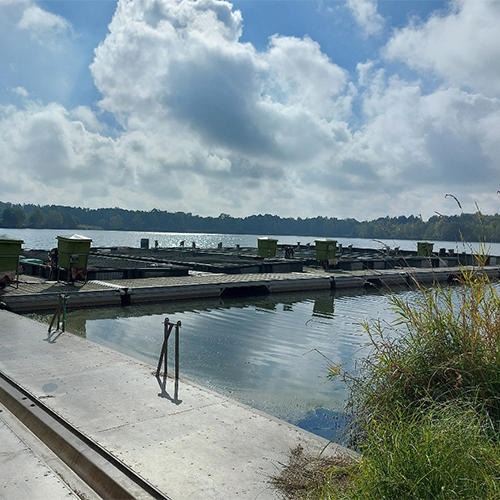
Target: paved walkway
{"points": [[32, 285], [189, 443]]}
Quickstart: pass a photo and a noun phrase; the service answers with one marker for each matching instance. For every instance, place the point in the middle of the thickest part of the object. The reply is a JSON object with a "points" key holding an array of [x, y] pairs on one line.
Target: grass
{"points": [[442, 452], [445, 347], [309, 477], [425, 402]]}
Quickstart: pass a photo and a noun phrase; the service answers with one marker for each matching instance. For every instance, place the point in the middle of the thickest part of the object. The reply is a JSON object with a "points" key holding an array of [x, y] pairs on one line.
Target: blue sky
{"points": [[355, 108]]}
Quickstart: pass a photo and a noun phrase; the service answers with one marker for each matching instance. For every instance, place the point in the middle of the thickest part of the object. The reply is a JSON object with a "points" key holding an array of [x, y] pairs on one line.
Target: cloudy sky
{"points": [[355, 108]]}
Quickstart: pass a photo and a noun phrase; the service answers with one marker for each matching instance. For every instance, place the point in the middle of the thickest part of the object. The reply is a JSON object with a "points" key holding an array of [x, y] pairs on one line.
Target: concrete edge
{"points": [[86, 461]]}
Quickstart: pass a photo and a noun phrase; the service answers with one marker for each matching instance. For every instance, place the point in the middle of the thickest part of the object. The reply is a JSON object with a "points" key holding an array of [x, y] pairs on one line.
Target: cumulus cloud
{"points": [[301, 75], [209, 124], [366, 15], [413, 146], [40, 23], [460, 46], [218, 104]]}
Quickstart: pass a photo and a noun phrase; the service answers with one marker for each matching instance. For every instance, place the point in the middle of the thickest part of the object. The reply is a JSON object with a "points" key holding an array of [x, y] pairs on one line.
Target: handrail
{"points": [[61, 308], [168, 327]]}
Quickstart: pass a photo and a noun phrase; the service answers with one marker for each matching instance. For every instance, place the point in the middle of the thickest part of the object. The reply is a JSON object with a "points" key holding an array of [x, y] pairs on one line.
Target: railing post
{"points": [[177, 327], [64, 299], [164, 350], [61, 307]]}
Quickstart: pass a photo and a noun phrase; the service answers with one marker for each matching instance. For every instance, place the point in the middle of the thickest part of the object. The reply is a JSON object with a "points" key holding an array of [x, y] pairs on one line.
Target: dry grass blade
{"points": [[305, 475]]}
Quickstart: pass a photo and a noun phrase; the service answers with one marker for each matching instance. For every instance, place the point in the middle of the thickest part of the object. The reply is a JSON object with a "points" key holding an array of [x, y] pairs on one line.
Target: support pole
{"points": [[61, 309], [177, 327], [167, 330]]}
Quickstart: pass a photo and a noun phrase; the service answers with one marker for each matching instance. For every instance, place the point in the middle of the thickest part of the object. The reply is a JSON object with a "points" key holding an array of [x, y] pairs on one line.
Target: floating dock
{"points": [[127, 433], [122, 432], [37, 294], [127, 276]]}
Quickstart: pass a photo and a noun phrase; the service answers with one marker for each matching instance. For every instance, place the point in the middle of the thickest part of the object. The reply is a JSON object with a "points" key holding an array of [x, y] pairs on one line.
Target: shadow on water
{"points": [[332, 425]]}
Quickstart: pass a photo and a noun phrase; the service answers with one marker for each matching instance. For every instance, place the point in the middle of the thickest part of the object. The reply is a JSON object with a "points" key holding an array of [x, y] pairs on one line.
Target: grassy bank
{"points": [[425, 402]]}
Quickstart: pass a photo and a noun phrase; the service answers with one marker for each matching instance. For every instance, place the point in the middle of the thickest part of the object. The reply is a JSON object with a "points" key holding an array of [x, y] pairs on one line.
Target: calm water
{"points": [[271, 353], [45, 239]]}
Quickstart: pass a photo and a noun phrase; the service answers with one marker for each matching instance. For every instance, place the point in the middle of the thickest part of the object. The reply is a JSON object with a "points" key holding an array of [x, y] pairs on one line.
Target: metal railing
{"points": [[60, 311], [168, 327]]}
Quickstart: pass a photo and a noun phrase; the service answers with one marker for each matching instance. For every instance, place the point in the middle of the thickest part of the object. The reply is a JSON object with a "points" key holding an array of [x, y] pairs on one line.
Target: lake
{"points": [[271, 353], [45, 239]]}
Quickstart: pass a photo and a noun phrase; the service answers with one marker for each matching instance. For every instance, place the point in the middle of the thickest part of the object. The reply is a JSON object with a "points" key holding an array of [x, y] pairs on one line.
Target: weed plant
{"points": [[441, 452], [445, 347], [426, 402]]}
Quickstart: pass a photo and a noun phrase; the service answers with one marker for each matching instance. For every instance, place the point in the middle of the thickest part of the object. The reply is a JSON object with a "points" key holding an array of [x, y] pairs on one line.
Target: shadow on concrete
{"points": [[162, 382]]}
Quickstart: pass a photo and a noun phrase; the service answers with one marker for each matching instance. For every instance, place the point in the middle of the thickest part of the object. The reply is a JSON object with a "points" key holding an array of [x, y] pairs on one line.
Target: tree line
{"points": [[468, 227]]}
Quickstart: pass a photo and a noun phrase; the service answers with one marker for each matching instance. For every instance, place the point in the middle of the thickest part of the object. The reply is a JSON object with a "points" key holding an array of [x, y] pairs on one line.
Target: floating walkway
{"points": [[130, 434], [34, 294]]}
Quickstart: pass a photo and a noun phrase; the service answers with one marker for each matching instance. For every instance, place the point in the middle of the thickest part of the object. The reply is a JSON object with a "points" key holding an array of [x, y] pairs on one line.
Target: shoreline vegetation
{"points": [[425, 404], [461, 227]]}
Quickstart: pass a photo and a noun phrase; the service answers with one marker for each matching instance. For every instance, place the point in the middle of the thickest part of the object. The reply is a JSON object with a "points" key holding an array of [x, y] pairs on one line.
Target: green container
{"points": [[267, 247], [424, 249], [325, 249], [73, 251], [10, 250]]}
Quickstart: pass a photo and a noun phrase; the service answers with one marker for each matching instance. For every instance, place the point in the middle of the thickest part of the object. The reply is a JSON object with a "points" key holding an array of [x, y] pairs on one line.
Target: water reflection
{"points": [[270, 352]]}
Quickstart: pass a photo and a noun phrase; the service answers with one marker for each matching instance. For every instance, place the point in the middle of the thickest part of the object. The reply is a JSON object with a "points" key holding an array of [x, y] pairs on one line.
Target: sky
{"points": [[298, 108]]}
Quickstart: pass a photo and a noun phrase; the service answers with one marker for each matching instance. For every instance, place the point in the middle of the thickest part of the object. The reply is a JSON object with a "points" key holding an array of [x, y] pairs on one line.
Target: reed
{"points": [[444, 347], [443, 451], [425, 403]]}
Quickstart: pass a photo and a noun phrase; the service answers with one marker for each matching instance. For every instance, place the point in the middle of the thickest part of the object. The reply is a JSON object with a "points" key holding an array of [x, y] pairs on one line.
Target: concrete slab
{"points": [[187, 441], [26, 474]]}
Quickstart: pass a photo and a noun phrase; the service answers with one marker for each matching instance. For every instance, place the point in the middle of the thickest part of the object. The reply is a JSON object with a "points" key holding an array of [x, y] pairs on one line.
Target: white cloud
{"points": [[412, 148], [179, 75], [366, 15], [88, 118], [209, 124], [300, 74], [37, 53], [40, 23], [462, 46], [20, 91]]}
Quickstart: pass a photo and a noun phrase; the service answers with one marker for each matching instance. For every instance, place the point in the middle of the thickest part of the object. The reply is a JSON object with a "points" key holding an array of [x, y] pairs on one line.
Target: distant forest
{"points": [[468, 227]]}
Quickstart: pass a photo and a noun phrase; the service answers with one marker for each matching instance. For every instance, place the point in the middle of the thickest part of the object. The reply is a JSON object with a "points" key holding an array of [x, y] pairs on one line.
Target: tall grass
{"points": [[444, 347], [426, 402], [441, 452]]}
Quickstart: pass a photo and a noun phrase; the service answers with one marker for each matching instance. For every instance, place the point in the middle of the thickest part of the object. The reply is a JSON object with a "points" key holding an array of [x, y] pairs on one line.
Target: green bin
{"points": [[424, 249], [10, 250], [325, 249], [73, 251], [267, 247]]}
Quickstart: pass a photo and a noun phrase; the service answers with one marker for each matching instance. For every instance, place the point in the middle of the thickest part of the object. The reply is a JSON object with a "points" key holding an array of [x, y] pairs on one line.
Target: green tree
{"points": [[37, 219], [115, 222], [54, 220], [137, 223], [14, 217], [69, 221]]}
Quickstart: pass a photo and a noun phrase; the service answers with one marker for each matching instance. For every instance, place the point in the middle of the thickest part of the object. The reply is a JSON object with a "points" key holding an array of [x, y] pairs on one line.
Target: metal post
{"points": [[64, 299], [177, 327], [166, 334], [164, 350], [61, 309], [56, 315]]}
